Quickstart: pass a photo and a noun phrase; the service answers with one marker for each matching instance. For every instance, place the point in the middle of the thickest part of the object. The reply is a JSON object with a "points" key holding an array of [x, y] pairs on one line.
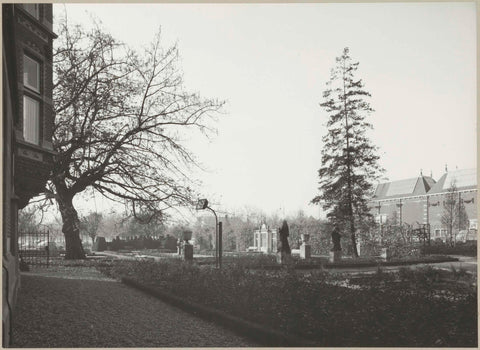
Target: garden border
{"points": [[265, 336], [390, 263], [348, 264]]}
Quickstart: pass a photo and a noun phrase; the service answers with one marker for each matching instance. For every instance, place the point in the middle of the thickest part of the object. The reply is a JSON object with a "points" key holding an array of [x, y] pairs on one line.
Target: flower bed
{"points": [[313, 305]]}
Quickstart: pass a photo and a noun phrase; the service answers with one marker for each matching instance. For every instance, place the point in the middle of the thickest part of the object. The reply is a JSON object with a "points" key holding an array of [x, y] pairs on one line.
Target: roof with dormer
{"points": [[404, 188]]}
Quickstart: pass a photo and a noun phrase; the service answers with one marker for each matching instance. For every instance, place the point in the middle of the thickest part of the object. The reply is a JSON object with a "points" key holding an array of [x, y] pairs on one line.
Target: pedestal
{"points": [[385, 254], [335, 256], [305, 251], [188, 252]]}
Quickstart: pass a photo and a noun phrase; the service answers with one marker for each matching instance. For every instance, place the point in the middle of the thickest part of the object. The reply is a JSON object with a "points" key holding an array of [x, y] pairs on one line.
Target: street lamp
{"points": [[201, 205]]}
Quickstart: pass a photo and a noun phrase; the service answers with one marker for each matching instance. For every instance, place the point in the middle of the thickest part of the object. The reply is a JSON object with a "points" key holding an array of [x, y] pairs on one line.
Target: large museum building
{"points": [[422, 201]]}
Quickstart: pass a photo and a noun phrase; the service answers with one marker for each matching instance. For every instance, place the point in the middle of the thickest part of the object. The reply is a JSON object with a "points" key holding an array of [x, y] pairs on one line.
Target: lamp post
{"points": [[399, 205], [379, 207], [201, 205]]}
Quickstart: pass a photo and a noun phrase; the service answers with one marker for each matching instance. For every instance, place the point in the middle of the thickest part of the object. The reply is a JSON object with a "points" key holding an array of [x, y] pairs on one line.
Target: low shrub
{"points": [[397, 249], [100, 244], [250, 260], [406, 274], [460, 248], [410, 308]]}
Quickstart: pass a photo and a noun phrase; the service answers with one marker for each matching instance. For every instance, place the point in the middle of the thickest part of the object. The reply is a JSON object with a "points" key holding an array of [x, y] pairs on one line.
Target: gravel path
{"points": [[81, 308]]}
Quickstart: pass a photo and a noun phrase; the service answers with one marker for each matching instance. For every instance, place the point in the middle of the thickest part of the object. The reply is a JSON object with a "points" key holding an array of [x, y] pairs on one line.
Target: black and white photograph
{"points": [[256, 174]]}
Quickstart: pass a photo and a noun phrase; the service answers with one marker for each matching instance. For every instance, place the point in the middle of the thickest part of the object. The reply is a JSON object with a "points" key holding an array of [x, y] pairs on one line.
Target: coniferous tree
{"points": [[349, 160]]}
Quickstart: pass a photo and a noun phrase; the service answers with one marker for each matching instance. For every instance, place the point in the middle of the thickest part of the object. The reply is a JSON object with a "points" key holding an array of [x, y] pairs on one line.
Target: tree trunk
{"points": [[354, 241], [349, 168], [70, 228]]}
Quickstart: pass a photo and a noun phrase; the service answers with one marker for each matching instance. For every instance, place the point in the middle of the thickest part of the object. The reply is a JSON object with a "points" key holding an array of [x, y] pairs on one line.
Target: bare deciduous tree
{"points": [[120, 119], [146, 224], [31, 217], [454, 216], [90, 224]]}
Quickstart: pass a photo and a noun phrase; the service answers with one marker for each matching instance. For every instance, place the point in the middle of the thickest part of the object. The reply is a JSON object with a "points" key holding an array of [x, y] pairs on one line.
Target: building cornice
{"points": [[46, 29], [423, 196]]}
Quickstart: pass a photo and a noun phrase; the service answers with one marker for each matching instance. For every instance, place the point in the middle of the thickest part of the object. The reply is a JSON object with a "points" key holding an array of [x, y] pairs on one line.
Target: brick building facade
{"points": [[422, 200], [27, 122]]}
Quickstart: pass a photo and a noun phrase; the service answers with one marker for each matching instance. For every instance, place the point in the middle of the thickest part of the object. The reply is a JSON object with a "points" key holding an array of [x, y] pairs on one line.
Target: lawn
{"points": [[415, 308]]}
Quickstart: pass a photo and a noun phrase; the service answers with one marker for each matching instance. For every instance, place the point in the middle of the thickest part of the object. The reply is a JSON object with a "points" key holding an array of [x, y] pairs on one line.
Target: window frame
{"points": [[32, 9], [38, 70], [37, 121]]}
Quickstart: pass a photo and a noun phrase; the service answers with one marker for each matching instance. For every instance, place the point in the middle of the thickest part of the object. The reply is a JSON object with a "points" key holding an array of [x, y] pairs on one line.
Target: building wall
{"points": [[407, 210], [437, 205], [34, 38], [10, 263], [35, 41], [25, 166], [426, 209]]}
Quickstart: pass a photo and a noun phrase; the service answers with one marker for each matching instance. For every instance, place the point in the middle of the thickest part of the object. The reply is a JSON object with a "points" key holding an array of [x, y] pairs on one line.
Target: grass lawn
{"points": [[415, 308]]}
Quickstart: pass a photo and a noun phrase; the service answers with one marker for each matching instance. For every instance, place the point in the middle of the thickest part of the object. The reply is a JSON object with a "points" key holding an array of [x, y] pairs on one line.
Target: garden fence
{"points": [[34, 247]]}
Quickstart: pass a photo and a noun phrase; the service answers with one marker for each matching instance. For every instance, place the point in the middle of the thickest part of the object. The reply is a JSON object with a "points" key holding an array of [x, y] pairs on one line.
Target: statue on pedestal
{"points": [[305, 248], [336, 240], [336, 252], [284, 233], [283, 251]]}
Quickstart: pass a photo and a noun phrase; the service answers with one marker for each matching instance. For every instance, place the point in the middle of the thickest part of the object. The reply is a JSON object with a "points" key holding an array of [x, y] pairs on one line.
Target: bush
{"points": [[461, 273], [396, 248], [100, 244], [400, 249], [370, 249], [170, 243], [322, 307], [466, 249]]}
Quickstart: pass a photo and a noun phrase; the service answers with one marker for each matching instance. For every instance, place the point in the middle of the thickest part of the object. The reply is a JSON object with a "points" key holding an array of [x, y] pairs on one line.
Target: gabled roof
{"points": [[429, 181], [403, 188], [463, 179]]}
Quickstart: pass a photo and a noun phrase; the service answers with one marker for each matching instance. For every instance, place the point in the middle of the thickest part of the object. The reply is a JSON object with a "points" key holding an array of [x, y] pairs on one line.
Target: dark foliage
{"points": [[405, 309], [100, 244], [466, 249], [349, 159], [167, 243]]}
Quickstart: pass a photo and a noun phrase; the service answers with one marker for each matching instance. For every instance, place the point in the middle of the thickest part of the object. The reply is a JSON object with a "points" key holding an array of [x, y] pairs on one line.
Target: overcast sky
{"points": [[270, 62]]}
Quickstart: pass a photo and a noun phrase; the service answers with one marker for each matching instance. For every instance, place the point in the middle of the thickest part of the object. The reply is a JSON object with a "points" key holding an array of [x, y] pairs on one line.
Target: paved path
{"points": [[465, 262], [81, 308]]}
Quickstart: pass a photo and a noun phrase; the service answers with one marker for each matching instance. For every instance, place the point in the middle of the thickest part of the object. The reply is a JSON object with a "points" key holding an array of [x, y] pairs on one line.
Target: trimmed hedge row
{"points": [[466, 249]]}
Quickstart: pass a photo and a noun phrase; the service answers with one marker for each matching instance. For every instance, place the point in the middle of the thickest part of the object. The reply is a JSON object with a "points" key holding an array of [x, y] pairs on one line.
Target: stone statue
{"points": [[336, 240], [284, 233]]}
